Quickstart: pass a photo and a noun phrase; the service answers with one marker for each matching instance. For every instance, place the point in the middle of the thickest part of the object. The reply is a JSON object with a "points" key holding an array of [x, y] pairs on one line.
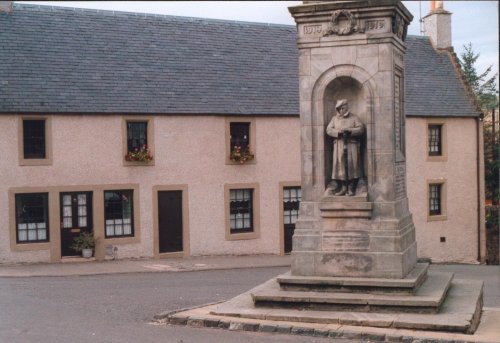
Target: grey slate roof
{"points": [[65, 60], [432, 86]]}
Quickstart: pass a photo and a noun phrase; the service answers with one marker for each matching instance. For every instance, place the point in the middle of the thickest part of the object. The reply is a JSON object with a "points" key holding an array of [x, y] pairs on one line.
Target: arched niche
{"points": [[354, 84]]}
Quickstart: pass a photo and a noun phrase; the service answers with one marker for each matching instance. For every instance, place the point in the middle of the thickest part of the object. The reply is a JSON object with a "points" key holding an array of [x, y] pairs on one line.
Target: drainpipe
{"points": [[480, 188]]}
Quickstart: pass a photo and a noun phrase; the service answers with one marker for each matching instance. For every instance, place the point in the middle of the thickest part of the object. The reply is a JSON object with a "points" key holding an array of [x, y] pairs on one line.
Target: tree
{"points": [[484, 87], [485, 90]]}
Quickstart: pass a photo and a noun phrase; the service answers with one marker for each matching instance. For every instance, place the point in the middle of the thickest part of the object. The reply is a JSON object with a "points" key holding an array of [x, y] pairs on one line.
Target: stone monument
{"points": [[354, 248], [353, 50]]}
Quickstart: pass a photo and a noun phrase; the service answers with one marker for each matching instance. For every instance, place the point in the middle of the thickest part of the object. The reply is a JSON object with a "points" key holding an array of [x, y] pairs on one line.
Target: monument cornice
{"points": [[369, 6]]}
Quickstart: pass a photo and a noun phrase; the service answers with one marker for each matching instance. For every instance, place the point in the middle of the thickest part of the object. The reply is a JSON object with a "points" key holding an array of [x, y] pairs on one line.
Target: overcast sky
{"points": [[472, 21]]}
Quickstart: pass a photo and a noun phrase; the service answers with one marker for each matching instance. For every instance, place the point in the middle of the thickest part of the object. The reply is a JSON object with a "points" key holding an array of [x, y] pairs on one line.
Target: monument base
{"points": [[459, 311]]}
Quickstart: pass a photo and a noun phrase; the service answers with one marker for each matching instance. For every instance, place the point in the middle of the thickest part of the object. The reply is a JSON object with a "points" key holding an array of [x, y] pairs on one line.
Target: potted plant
{"points": [[85, 243], [139, 155], [241, 155]]}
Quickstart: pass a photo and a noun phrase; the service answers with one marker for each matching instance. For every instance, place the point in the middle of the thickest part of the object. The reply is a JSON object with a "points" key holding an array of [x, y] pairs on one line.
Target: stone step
{"points": [[407, 286], [460, 312], [427, 299]]}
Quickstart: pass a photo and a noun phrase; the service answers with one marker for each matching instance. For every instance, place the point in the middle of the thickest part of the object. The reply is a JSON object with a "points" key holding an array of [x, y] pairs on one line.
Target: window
{"points": [[291, 202], [435, 140], [118, 213], [240, 140], [242, 213], [241, 210], [32, 217], [435, 198], [34, 138], [239, 135], [138, 141], [137, 135], [35, 141]]}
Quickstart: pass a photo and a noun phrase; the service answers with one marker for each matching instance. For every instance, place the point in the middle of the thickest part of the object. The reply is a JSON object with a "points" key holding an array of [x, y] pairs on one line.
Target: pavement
{"points": [[81, 266]]}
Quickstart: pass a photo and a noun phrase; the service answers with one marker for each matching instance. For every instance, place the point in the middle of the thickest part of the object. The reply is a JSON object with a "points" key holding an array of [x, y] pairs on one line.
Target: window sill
{"points": [[121, 240], [242, 236], [441, 158], [230, 162], [35, 162], [138, 163], [435, 218], [30, 246]]}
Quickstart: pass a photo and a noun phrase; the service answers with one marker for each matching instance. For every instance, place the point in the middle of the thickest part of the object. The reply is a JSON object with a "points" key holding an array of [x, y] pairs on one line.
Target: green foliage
{"points": [[492, 234], [86, 240], [483, 86], [491, 163], [486, 92]]}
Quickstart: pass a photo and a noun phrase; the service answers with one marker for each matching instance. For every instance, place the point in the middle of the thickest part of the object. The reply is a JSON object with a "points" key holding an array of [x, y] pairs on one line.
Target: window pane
{"points": [[67, 199], [82, 199], [435, 199], [240, 135], [34, 138], [67, 222], [137, 135], [32, 217], [22, 235], [434, 139], [42, 234], [82, 221], [240, 209], [118, 211]]}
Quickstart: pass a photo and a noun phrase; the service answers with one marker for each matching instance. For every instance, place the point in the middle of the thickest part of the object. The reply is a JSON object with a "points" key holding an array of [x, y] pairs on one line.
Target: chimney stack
{"points": [[437, 26], [6, 6]]}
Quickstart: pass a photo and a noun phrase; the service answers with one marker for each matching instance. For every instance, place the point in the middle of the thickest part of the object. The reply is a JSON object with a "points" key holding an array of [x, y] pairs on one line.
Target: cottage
{"points": [[173, 136]]}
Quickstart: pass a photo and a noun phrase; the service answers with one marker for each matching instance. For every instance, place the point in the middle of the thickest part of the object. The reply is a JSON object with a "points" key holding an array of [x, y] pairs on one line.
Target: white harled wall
{"points": [[188, 150]]}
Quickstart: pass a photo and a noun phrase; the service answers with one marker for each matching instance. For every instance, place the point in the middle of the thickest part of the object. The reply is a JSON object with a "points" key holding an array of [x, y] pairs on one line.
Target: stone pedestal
{"points": [[353, 50]]}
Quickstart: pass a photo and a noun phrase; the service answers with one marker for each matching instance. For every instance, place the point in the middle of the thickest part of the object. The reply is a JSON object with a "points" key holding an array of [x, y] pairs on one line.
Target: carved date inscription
{"points": [[374, 25], [312, 29]]}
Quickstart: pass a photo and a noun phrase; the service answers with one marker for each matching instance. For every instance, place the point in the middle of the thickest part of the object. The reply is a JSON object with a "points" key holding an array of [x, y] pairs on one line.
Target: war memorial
{"points": [[354, 257]]}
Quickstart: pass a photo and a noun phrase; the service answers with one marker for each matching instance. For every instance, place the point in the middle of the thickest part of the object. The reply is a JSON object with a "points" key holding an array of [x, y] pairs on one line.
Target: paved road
{"points": [[119, 308]]}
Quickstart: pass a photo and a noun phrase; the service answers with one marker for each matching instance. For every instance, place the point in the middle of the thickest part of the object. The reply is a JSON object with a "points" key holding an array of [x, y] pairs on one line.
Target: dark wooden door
{"points": [[76, 217], [291, 202], [170, 221]]}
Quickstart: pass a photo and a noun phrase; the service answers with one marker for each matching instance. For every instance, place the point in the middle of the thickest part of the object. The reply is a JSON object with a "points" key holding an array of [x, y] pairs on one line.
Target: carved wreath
{"points": [[335, 29]]}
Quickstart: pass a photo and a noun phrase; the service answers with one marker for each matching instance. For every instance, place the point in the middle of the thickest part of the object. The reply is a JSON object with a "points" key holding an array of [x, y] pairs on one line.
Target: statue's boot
{"points": [[343, 189], [351, 190]]}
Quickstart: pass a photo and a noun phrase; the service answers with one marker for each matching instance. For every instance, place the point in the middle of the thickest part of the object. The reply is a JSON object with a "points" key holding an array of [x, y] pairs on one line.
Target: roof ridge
{"points": [[18, 6]]}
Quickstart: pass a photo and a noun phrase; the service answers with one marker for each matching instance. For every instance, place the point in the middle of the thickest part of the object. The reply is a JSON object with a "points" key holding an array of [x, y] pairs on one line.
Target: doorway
{"points": [[76, 218], [170, 223]]}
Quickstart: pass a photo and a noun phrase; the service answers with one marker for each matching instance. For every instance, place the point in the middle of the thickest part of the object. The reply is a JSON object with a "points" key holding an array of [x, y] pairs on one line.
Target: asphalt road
{"points": [[120, 308]]}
